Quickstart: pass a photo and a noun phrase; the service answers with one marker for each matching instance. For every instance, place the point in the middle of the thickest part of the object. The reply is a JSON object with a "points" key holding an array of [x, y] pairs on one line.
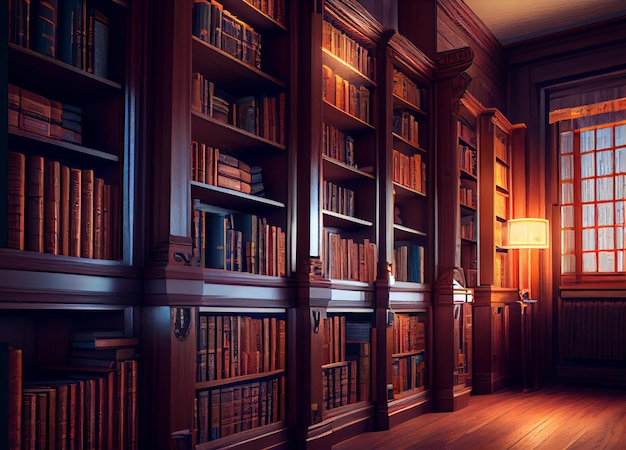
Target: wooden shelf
{"points": [[345, 70], [406, 142], [404, 191], [400, 103], [228, 137], [342, 120], [337, 171], [402, 233], [57, 80], [56, 148], [336, 220], [239, 379], [256, 18], [229, 73], [223, 200]]}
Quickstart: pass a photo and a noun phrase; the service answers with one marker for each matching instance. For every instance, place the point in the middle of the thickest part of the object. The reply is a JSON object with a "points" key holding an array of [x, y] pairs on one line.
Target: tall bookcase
{"points": [[468, 127], [67, 239], [496, 311], [338, 219], [216, 318], [403, 294]]}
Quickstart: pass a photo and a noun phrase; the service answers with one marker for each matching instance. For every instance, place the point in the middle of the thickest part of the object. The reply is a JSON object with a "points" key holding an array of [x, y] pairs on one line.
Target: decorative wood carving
{"points": [[449, 277]]}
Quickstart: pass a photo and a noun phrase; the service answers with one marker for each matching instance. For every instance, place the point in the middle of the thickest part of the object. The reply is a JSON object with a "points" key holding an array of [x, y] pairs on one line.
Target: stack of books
{"points": [[37, 114], [101, 348], [232, 173]]}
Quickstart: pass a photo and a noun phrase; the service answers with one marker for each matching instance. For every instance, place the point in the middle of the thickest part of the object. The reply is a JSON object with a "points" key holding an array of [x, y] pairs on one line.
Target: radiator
{"points": [[592, 329]]}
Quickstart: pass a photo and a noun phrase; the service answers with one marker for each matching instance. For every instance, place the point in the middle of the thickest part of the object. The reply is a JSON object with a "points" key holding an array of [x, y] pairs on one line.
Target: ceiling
{"points": [[512, 21]]}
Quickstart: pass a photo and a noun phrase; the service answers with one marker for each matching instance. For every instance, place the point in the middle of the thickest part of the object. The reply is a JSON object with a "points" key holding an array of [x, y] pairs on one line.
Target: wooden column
{"points": [[449, 88]]}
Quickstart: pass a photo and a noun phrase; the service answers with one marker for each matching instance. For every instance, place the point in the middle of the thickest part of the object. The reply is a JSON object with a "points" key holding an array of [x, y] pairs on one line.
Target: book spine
{"points": [[35, 204], [52, 205], [64, 212], [44, 23], [98, 196], [16, 200], [86, 213], [15, 399], [75, 212]]}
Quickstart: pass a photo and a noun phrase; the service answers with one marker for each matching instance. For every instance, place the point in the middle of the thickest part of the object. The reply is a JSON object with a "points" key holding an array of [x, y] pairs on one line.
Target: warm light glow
{"points": [[527, 233]]}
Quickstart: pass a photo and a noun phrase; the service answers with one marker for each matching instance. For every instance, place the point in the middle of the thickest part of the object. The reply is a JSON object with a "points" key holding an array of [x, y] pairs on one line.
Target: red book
{"points": [[64, 212], [98, 198], [29, 420], [15, 398], [52, 205], [75, 214], [17, 200], [34, 209], [86, 214]]}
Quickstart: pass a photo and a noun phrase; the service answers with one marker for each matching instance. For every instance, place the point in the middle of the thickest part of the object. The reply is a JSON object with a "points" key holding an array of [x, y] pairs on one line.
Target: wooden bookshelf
{"points": [[224, 239], [67, 242], [409, 353], [348, 128], [496, 313], [468, 129], [404, 289], [240, 373]]}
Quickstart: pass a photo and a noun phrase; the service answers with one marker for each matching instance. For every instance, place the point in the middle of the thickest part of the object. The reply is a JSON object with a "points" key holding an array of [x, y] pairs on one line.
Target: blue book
{"points": [[43, 26], [71, 32], [215, 231]]}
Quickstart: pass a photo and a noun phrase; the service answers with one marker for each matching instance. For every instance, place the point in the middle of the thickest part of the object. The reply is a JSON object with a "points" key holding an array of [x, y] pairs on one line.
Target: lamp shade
{"points": [[527, 233]]}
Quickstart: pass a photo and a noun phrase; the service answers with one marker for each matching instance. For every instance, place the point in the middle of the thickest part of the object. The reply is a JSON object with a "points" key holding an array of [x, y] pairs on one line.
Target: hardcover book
{"points": [[35, 204], [17, 199]]}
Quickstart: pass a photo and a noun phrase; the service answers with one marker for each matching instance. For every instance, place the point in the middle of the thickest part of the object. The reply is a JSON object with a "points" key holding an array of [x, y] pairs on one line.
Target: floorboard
{"points": [[550, 418]]}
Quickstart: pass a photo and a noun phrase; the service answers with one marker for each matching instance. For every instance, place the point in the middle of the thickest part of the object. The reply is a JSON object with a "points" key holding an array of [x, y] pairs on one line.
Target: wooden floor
{"points": [[551, 418]]}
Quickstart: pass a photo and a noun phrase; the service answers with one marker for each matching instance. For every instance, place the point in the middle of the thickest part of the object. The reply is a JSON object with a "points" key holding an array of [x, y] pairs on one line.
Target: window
{"points": [[593, 192]]}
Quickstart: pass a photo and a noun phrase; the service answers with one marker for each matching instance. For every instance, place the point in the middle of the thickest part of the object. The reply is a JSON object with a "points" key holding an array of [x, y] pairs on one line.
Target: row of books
{"points": [[261, 115], [334, 339], [347, 382], [228, 410], [238, 242], [37, 114], [501, 205], [500, 146], [409, 373], [502, 176], [347, 49], [211, 166], [467, 196], [73, 407], [347, 96], [338, 199], [338, 145], [408, 263], [468, 227], [409, 171], [345, 259], [273, 8], [340, 384], [406, 125], [73, 31], [219, 27], [56, 209], [468, 159], [406, 89], [232, 346], [467, 133], [409, 333]]}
